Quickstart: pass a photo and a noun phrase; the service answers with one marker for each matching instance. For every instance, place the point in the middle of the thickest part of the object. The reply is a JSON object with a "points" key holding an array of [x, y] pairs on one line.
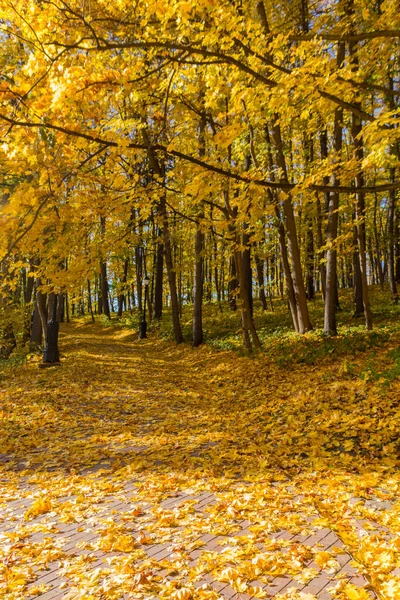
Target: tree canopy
{"points": [[268, 131]]}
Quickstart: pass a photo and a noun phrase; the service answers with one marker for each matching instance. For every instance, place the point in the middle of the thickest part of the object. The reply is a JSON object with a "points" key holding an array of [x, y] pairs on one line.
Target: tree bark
{"points": [[158, 287], [331, 280], [233, 283], [36, 330], [122, 296], [198, 336], [260, 279], [41, 300], [104, 276], [303, 318], [391, 241]]}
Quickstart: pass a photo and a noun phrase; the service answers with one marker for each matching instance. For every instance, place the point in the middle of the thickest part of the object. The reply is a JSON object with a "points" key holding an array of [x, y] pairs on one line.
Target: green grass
{"points": [[284, 347]]}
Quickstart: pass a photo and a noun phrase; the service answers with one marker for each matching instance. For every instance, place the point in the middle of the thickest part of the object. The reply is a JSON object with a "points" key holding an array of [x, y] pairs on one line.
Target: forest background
{"points": [[223, 150]]}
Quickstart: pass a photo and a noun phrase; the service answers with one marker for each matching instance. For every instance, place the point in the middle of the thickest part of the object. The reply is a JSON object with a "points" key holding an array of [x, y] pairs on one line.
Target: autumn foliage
{"points": [[267, 132]]}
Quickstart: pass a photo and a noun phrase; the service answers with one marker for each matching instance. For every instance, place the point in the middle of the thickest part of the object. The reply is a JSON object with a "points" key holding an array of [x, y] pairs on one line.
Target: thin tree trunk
{"points": [[198, 336], [331, 279], [377, 245], [260, 279], [358, 145], [158, 287], [36, 330], [104, 277], [391, 241], [122, 296], [198, 289], [41, 300], [232, 283], [90, 307], [171, 278], [303, 317]]}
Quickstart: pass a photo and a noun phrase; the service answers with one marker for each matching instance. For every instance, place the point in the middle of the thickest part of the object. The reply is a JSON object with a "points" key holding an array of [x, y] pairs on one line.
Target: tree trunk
{"points": [[36, 330], [158, 287], [233, 283], [90, 306], [198, 336], [42, 310], [198, 288], [104, 277], [356, 131], [303, 318], [246, 265], [171, 278], [122, 296], [331, 280], [250, 335], [260, 279], [288, 275], [391, 240], [29, 286], [139, 276], [310, 277], [357, 283], [377, 244]]}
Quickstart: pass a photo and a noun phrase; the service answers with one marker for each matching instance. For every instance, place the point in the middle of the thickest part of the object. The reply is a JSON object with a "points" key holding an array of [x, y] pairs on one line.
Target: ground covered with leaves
{"points": [[139, 469]]}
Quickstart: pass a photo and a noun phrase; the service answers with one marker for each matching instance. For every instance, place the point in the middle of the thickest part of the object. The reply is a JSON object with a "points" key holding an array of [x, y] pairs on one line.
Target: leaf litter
{"points": [[146, 470]]}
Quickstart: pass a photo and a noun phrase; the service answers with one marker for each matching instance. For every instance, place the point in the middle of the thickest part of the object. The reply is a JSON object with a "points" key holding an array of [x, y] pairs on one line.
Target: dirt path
{"points": [[143, 470]]}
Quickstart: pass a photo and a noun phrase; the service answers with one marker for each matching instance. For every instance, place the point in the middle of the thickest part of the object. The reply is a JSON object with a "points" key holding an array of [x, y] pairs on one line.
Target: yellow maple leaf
{"points": [[353, 593], [39, 507]]}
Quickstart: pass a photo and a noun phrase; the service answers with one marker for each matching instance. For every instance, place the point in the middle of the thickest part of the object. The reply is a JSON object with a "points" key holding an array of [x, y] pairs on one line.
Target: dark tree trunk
{"points": [[377, 244], [90, 305], [171, 278], [104, 290], [247, 271], [41, 300], [321, 253], [303, 318], [29, 288], [139, 276], [104, 277], [36, 331], [198, 289], [357, 284], [260, 279], [397, 244], [358, 151], [332, 199], [288, 275], [250, 335], [233, 283], [122, 296], [158, 287], [391, 241], [310, 277]]}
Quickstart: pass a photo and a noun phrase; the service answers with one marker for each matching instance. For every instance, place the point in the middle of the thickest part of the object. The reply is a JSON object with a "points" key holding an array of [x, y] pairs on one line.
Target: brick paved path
{"points": [[107, 524], [78, 541]]}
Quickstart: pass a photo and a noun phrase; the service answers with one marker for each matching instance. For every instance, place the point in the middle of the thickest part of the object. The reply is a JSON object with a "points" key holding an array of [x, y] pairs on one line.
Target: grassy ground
{"points": [[284, 347]]}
